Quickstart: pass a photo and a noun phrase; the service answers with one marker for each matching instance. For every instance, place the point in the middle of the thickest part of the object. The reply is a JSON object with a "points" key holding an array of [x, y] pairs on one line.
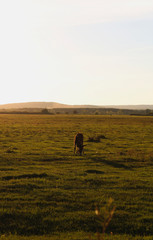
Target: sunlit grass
{"points": [[45, 189]]}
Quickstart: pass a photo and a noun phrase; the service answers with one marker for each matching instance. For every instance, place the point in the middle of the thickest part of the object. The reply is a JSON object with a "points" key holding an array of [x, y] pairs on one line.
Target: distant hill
{"points": [[51, 105], [40, 105]]}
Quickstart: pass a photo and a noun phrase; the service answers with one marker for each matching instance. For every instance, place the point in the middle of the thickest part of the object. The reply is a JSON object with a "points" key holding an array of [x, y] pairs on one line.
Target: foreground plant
{"points": [[104, 216]]}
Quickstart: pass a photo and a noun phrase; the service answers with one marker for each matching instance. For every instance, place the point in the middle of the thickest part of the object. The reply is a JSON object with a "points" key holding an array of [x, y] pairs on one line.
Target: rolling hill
{"points": [[51, 105]]}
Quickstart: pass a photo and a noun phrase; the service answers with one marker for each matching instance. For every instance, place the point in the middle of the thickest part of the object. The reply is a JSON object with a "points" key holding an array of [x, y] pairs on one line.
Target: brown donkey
{"points": [[78, 143]]}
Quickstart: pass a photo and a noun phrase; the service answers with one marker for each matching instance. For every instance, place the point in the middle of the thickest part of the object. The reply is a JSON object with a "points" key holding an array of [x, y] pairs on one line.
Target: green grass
{"points": [[46, 190], [74, 236]]}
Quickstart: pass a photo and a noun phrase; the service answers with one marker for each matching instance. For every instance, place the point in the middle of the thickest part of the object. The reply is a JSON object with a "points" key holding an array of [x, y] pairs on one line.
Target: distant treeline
{"points": [[81, 111], [103, 111]]}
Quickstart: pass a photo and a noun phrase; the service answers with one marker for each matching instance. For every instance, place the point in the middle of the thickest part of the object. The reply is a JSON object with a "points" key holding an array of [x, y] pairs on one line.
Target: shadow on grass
{"points": [[111, 163], [94, 171], [51, 159], [34, 175]]}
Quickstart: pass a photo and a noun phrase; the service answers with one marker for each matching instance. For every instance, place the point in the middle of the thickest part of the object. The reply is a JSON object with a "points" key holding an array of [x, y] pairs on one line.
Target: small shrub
{"points": [[104, 216], [45, 111]]}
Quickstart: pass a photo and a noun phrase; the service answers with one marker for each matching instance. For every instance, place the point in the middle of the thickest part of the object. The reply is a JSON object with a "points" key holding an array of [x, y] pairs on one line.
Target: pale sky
{"points": [[76, 51]]}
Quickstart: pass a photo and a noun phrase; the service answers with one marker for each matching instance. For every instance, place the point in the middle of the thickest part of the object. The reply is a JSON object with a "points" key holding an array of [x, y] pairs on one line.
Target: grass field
{"points": [[47, 191]]}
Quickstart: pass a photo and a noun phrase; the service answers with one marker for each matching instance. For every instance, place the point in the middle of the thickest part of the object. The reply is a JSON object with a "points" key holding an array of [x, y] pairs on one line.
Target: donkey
{"points": [[78, 143]]}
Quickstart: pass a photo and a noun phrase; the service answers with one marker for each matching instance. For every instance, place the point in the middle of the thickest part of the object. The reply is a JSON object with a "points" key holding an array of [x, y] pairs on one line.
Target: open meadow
{"points": [[48, 193]]}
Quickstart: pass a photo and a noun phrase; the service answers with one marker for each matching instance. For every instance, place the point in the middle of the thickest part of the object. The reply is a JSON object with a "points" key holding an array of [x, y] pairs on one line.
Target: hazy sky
{"points": [[76, 51]]}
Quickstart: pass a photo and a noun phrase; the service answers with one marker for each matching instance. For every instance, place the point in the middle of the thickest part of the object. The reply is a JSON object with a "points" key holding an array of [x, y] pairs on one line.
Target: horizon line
{"points": [[86, 104]]}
